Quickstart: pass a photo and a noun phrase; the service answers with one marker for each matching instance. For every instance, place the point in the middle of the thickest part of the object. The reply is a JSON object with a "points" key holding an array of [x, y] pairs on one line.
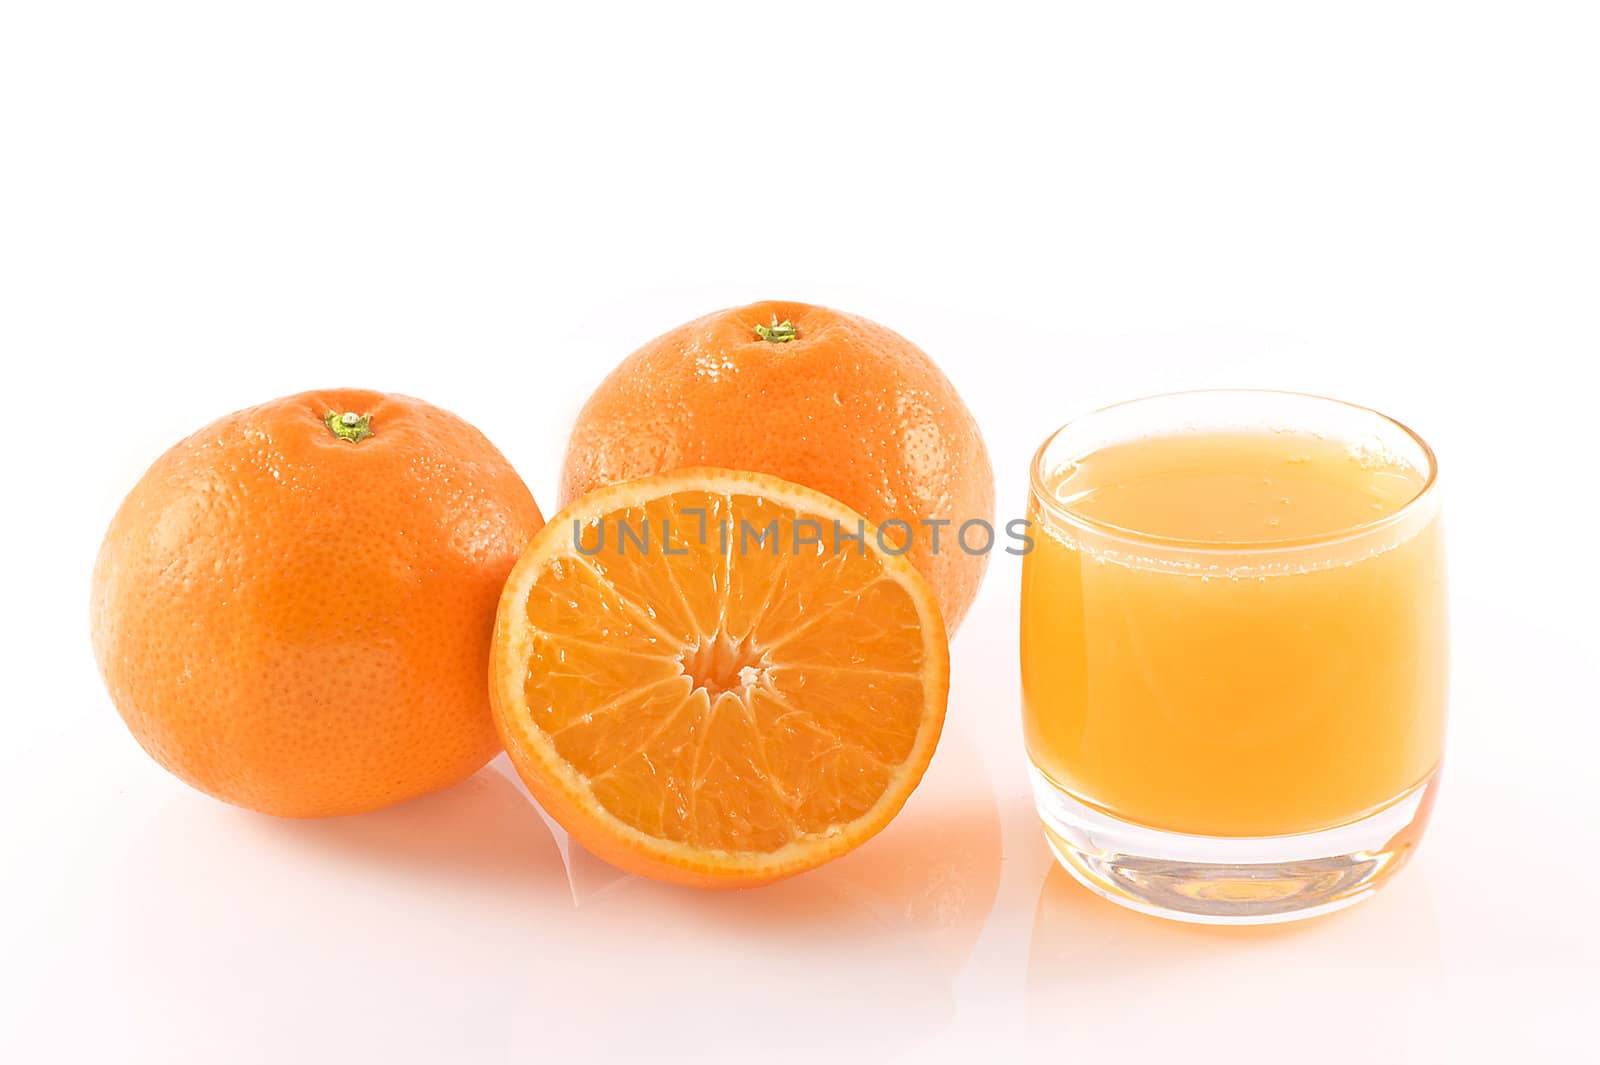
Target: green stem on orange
{"points": [[778, 332], [349, 425]]}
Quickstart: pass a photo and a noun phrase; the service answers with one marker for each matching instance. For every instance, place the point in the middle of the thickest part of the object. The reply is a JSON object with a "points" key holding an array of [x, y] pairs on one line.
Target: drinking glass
{"points": [[1234, 652]]}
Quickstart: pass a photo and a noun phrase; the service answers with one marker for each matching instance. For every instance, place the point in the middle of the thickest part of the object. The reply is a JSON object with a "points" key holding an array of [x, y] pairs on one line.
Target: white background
{"points": [[206, 205]]}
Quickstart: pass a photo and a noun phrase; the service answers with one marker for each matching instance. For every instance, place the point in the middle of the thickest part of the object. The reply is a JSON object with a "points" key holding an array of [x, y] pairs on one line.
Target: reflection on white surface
{"points": [[757, 972], [401, 933], [1363, 984], [448, 928]]}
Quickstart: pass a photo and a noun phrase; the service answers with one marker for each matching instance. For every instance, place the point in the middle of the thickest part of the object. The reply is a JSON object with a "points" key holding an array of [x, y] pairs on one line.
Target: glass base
{"points": [[1231, 879]]}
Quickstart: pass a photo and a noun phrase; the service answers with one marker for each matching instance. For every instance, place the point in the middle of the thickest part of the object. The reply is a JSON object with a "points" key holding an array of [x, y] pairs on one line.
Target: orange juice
{"points": [[1234, 631]]}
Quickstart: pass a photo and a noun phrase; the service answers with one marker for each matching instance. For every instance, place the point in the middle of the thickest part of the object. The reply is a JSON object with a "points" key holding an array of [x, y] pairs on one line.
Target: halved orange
{"points": [[717, 678]]}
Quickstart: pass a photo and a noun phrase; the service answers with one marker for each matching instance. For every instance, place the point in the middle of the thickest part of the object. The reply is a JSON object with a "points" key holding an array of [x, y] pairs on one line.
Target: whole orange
{"points": [[293, 608], [823, 398]]}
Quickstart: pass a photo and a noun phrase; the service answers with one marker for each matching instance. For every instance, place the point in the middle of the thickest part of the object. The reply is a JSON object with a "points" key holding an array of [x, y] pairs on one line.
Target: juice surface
{"points": [[1261, 667], [1231, 487]]}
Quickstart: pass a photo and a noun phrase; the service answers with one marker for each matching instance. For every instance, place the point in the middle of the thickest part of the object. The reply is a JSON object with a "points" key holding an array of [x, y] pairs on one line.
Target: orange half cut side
{"points": [[704, 677]]}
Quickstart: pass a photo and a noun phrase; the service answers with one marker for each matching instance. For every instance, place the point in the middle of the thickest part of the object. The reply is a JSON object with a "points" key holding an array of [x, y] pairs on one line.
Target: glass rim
{"points": [[1064, 512]]}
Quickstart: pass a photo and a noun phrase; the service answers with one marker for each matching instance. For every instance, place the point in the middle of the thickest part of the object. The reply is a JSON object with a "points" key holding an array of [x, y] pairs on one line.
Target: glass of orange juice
{"points": [[1234, 652]]}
